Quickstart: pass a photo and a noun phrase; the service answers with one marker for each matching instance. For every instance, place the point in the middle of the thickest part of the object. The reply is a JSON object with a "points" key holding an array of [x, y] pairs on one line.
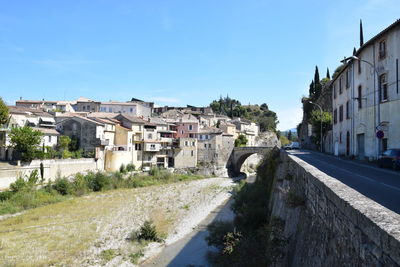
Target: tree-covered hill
{"points": [[260, 114]]}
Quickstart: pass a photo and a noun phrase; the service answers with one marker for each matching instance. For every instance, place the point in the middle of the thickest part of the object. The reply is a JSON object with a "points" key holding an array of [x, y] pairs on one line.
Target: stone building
{"points": [[185, 153], [89, 134], [214, 146], [129, 108], [84, 104], [371, 98]]}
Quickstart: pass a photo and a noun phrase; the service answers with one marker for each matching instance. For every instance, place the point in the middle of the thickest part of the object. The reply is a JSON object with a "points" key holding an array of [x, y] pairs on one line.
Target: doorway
{"points": [[360, 146]]}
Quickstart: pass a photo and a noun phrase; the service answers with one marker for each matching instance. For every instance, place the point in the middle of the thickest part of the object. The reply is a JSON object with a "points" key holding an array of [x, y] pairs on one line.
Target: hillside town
{"points": [[132, 132]]}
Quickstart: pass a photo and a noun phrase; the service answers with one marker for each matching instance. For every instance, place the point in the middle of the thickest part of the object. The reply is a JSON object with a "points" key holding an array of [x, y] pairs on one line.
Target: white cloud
{"points": [[289, 118]]}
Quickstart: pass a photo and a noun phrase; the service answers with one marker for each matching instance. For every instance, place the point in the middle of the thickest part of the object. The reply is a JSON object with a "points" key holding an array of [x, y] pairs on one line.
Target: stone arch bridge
{"points": [[240, 154]]}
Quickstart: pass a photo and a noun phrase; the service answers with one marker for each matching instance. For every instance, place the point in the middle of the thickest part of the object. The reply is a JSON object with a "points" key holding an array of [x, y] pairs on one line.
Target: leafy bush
{"points": [[50, 153], [108, 254], [22, 183], [5, 195], [80, 185], [63, 186], [134, 257], [66, 154], [99, 182], [147, 232], [217, 231], [122, 168], [154, 171], [130, 167], [77, 154]]}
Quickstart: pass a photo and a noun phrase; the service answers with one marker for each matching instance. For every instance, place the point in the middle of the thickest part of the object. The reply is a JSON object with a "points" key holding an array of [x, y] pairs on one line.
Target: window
{"points": [[88, 107], [186, 143], [192, 153], [359, 98], [150, 136], [347, 110], [383, 88], [335, 116], [340, 137], [191, 135], [205, 145], [83, 108], [359, 65], [190, 127], [209, 145], [109, 109], [49, 139], [382, 49], [131, 110], [138, 147], [341, 113], [193, 143], [340, 85]]}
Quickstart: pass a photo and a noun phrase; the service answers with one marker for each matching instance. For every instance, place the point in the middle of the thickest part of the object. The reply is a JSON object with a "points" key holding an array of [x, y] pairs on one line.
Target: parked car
{"points": [[293, 145], [390, 159]]}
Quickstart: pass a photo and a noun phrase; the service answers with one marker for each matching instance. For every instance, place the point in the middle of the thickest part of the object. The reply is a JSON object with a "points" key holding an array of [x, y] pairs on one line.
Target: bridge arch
{"points": [[238, 157]]}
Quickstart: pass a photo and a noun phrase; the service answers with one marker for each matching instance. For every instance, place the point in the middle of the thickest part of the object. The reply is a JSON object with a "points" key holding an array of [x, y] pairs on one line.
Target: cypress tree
{"points": [[361, 34], [328, 74], [354, 51], [311, 91], [317, 84], [316, 76]]}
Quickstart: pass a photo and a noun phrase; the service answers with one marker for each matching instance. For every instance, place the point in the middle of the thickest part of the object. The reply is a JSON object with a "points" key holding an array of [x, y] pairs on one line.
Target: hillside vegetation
{"points": [[230, 107]]}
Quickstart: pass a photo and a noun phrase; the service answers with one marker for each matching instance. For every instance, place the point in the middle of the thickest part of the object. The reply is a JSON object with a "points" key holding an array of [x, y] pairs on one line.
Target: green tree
{"points": [[316, 120], [317, 84], [284, 140], [337, 71], [289, 135], [64, 142], [4, 112], [25, 140], [241, 141]]}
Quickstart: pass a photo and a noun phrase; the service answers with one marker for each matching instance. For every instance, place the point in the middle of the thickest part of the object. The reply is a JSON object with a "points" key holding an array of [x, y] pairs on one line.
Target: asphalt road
{"points": [[380, 185]]}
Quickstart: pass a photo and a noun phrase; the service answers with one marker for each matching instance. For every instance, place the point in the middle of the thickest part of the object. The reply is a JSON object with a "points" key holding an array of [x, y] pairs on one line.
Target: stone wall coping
{"points": [[363, 211]]}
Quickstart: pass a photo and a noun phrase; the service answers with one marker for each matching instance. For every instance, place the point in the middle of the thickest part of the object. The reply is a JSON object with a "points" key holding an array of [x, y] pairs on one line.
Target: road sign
{"points": [[380, 134]]}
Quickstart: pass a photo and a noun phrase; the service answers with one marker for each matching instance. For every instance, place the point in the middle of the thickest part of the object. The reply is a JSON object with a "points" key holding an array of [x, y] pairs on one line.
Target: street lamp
{"points": [[377, 79], [320, 121]]}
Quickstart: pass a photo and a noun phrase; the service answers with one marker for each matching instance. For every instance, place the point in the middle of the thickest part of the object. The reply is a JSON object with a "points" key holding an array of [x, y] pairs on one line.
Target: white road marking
{"points": [[344, 170], [391, 186]]}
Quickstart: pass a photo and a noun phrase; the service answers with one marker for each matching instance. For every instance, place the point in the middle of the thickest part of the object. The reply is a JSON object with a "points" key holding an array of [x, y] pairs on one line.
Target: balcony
{"points": [[105, 142], [152, 147]]}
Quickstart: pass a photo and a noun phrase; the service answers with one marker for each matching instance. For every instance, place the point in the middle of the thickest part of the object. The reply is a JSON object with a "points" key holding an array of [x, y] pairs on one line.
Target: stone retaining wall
{"points": [[52, 168], [328, 223]]}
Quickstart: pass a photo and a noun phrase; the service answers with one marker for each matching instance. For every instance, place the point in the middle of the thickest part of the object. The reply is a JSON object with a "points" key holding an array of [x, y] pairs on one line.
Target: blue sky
{"points": [[180, 52]]}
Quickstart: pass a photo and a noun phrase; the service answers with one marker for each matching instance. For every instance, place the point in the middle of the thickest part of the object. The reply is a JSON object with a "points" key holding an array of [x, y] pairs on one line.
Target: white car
{"points": [[293, 145]]}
